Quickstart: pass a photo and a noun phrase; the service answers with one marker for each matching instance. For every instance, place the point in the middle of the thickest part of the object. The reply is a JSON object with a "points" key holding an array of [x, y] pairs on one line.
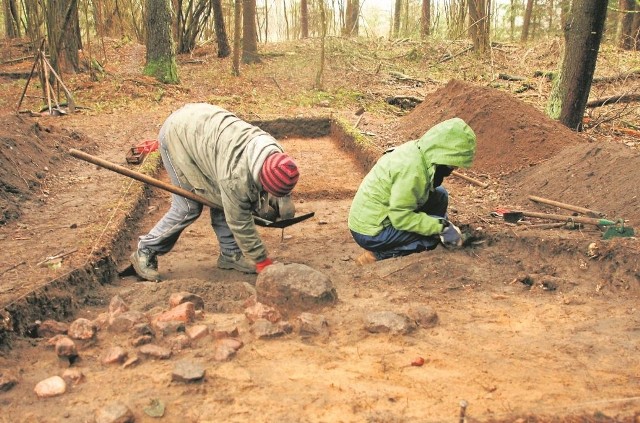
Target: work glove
{"points": [[260, 266], [451, 236]]}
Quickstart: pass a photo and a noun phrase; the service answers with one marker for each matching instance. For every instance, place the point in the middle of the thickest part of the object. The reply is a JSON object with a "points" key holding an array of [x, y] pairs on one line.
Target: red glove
{"points": [[264, 263]]}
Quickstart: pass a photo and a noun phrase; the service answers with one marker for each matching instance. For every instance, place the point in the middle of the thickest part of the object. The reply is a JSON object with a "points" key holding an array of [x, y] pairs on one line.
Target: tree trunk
{"points": [[11, 19], [304, 19], [286, 19], [425, 21], [221, 33], [527, 20], [583, 34], [237, 28], [63, 33], [249, 33], [396, 18], [627, 39], [266, 23], [352, 15], [161, 57], [636, 31], [323, 35], [479, 28]]}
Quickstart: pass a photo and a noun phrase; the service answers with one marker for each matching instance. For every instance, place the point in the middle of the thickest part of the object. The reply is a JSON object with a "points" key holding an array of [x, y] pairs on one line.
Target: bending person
{"points": [[235, 165]]}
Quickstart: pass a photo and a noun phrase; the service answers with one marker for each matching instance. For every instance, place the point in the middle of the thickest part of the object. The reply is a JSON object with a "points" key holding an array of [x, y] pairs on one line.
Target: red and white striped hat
{"points": [[279, 174]]}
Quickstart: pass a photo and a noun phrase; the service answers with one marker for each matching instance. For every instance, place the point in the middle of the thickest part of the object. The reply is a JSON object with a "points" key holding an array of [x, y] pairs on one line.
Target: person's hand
{"points": [[260, 266], [451, 236]]}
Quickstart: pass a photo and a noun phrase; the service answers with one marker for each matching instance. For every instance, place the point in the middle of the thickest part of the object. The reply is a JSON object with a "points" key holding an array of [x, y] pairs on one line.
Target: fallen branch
{"points": [[55, 257], [623, 98], [12, 267], [448, 57], [507, 77], [635, 73], [402, 77]]}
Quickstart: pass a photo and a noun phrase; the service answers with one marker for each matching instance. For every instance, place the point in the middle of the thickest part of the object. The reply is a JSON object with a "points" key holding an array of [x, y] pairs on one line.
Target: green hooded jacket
{"points": [[401, 181]]}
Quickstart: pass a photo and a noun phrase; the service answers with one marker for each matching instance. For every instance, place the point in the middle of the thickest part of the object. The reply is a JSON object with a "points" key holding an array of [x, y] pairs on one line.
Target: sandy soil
{"points": [[532, 323]]}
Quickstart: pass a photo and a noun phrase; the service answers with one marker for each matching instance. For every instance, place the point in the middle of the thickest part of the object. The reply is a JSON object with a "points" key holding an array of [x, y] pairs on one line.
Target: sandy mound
{"points": [[511, 134], [602, 176], [535, 154]]}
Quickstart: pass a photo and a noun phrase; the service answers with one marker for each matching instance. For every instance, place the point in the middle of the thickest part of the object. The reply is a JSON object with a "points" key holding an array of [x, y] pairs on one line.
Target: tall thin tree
{"points": [[249, 33], [425, 19], [583, 34], [526, 22], [221, 33], [304, 19], [237, 36]]}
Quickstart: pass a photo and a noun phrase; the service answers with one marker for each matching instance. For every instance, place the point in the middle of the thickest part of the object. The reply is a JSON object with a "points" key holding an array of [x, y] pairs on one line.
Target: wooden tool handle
{"points": [[564, 218], [588, 212], [470, 179], [141, 177]]}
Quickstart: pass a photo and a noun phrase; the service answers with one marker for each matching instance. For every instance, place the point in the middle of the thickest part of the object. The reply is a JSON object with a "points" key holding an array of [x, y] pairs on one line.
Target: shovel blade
{"points": [[281, 223]]}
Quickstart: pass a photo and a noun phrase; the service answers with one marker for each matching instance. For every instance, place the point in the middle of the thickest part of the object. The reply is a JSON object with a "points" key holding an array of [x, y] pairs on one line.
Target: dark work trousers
{"points": [[392, 242]]}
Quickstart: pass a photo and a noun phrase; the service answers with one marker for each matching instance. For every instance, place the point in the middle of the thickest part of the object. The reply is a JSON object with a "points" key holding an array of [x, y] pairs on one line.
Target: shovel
{"points": [[179, 191], [614, 228]]}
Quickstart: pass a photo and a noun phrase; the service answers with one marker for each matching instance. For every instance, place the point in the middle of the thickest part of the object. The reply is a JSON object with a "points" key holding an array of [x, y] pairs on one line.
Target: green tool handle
{"points": [[565, 218]]}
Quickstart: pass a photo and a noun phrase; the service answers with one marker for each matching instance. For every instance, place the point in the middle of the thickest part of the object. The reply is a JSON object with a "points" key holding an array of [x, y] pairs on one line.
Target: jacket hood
{"points": [[451, 142]]}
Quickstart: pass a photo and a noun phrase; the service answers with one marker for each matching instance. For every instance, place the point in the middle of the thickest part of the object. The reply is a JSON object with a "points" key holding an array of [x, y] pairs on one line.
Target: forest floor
{"points": [[533, 324]]}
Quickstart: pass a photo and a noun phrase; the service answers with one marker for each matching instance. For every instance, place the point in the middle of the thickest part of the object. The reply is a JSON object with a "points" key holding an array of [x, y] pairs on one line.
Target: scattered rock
{"points": [[262, 311], [312, 324], [116, 412], [117, 306], [294, 288], [126, 321], [226, 348], [50, 387], [143, 329], [51, 342], [388, 321], [7, 381], [180, 342], [131, 361], [184, 312], [73, 376], [66, 348], [197, 332], [178, 298], [226, 333], [49, 328], [423, 315], [115, 355], [263, 328], [102, 321], [155, 408], [142, 340], [233, 343], [155, 351], [187, 371], [82, 329], [167, 328]]}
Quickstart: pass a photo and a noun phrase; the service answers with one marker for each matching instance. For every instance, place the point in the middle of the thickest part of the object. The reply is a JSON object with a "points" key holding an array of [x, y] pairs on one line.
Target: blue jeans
{"points": [[392, 242], [182, 213]]}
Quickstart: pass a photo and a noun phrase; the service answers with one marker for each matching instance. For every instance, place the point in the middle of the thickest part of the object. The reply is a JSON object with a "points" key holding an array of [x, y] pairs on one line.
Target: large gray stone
{"points": [[294, 288]]}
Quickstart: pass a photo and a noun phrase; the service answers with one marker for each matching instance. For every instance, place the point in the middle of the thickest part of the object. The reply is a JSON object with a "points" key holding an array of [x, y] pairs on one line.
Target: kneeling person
{"points": [[401, 206]]}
